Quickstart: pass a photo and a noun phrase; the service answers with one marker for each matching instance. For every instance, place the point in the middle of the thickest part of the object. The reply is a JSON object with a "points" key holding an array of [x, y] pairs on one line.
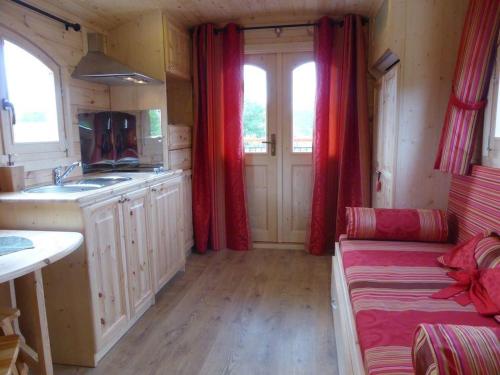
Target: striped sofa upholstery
{"points": [[390, 283], [454, 349], [474, 203]]}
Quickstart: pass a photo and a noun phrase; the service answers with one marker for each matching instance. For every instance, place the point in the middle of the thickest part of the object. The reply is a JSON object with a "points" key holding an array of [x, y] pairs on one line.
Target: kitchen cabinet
{"points": [[155, 36], [133, 245], [177, 49], [106, 260], [167, 231], [135, 211]]}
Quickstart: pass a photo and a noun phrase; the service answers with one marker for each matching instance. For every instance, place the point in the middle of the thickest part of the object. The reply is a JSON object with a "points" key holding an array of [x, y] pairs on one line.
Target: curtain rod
{"points": [[289, 26], [67, 25]]}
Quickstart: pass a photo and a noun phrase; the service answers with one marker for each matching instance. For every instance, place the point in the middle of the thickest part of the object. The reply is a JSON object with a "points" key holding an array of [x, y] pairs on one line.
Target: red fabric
{"points": [[390, 284], [470, 86], [479, 286], [219, 206], [474, 286], [341, 150], [396, 224], [462, 256], [237, 225]]}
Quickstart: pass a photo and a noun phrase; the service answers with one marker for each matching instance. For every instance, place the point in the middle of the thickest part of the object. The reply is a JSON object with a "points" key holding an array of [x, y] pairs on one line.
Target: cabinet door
{"points": [[106, 270], [177, 47], [187, 187], [167, 236], [135, 218]]}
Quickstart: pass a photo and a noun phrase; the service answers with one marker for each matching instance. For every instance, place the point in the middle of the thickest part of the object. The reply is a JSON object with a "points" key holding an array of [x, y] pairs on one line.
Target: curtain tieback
{"points": [[468, 106]]}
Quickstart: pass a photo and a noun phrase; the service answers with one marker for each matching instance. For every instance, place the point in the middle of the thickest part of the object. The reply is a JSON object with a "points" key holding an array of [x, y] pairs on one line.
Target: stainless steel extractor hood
{"points": [[95, 66]]}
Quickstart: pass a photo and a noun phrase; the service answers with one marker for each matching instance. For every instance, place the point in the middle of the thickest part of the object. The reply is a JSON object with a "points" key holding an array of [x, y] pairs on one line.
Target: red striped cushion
{"points": [[456, 349], [396, 224], [487, 252]]}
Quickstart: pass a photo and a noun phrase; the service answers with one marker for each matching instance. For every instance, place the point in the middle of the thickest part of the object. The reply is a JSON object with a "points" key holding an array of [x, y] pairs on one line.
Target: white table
{"points": [[22, 271]]}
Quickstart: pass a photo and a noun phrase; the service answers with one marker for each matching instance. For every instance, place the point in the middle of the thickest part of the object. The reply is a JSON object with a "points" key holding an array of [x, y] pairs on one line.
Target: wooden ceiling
{"points": [[107, 14]]}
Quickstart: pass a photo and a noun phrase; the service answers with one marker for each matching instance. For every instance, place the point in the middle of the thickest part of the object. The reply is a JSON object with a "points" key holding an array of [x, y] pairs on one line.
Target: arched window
{"points": [[31, 97], [303, 106], [255, 109]]}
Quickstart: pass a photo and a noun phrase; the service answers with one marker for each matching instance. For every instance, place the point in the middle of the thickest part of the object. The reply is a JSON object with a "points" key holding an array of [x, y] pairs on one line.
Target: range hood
{"points": [[95, 66]]}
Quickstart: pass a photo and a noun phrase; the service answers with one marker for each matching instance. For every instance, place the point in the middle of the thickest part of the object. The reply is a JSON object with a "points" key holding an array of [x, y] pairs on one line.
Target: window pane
{"points": [[497, 120], [303, 101], [255, 109], [31, 88], [154, 122]]}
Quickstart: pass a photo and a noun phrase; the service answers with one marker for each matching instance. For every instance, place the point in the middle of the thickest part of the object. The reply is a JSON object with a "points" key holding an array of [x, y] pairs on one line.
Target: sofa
{"points": [[381, 290]]}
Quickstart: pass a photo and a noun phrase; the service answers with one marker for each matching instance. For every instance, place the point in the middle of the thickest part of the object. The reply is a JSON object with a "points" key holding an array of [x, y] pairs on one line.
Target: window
{"points": [[154, 116], [491, 134], [31, 93], [303, 106], [255, 109]]}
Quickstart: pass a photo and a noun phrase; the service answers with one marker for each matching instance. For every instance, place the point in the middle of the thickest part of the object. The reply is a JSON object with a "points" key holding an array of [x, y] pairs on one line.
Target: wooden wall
{"points": [[66, 48], [425, 34]]}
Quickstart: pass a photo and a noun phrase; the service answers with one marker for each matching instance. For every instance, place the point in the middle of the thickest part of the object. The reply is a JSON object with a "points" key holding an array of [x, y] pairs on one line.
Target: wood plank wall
{"points": [[66, 48], [425, 34]]}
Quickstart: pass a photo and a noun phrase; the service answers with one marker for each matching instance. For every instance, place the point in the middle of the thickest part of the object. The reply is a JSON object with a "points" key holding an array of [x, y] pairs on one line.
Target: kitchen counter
{"points": [[83, 198], [134, 244]]}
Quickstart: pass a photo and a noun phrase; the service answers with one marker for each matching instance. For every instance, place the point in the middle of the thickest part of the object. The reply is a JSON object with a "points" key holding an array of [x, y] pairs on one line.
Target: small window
{"points": [[255, 109], [491, 134], [154, 116], [31, 92], [497, 106], [303, 106]]}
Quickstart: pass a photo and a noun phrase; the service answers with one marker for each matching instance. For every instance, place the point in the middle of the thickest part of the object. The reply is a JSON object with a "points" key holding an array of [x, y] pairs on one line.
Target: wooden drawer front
{"points": [[179, 136], [180, 159]]}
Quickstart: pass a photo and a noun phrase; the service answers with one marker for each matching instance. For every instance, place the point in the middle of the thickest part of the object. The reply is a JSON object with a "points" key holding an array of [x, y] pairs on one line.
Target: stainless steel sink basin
{"points": [[101, 181], [73, 188], [76, 186]]}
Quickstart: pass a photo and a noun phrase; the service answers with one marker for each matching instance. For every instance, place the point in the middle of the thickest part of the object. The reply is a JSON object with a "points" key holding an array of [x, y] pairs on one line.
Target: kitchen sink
{"points": [[79, 185], [68, 188], [101, 181]]}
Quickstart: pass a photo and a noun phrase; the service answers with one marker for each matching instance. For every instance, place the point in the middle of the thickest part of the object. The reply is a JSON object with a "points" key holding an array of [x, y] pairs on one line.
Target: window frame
{"points": [[9, 146], [491, 143]]}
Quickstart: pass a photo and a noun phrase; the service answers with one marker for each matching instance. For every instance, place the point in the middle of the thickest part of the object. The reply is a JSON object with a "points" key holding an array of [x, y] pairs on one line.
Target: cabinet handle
{"points": [[121, 200], [103, 322], [154, 190]]}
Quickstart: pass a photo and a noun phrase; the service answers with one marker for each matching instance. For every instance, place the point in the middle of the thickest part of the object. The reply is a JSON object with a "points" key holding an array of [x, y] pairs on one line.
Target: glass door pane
{"points": [[255, 109], [303, 106]]}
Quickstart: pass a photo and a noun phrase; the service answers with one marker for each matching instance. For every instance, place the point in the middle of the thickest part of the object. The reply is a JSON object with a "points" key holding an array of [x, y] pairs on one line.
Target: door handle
{"points": [[272, 142], [8, 106]]}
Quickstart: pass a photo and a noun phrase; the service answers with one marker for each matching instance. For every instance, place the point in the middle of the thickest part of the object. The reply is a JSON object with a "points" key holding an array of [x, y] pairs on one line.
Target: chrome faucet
{"points": [[60, 173]]}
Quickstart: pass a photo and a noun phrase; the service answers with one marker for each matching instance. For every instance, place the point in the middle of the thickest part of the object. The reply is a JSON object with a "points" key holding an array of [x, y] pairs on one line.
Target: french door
{"points": [[278, 128]]}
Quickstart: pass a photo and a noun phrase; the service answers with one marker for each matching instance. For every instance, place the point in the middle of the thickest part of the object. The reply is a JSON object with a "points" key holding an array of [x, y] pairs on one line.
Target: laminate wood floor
{"points": [[256, 312]]}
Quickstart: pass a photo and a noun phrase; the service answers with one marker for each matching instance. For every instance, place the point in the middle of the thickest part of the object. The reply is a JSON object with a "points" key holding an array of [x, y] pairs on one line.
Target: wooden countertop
{"points": [[49, 247]]}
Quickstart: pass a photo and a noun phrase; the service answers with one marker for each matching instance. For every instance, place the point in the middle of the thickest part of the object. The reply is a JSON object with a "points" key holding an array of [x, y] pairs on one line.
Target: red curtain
{"points": [[341, 145], [470, 87], [219, 204]]}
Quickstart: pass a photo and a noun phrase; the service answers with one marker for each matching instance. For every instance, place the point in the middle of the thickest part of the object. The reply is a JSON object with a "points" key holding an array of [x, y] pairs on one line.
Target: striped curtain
{"points": [[470, 86]]}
